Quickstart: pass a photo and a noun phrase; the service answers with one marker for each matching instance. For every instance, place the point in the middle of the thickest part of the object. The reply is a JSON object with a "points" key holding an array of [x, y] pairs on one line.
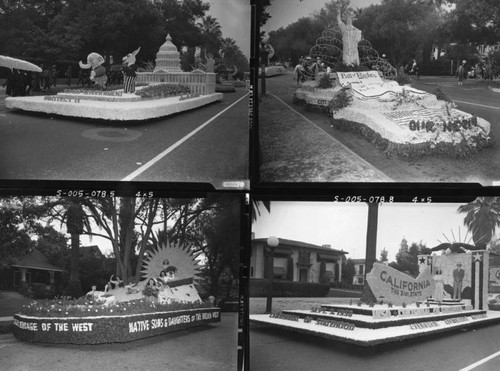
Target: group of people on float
{"points": [[309, 68], [166, 275]]}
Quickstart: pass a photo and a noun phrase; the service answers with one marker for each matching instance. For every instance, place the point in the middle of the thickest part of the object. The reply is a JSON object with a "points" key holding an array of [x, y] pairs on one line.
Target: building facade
{"points": [[297, 261], [359, 271]]}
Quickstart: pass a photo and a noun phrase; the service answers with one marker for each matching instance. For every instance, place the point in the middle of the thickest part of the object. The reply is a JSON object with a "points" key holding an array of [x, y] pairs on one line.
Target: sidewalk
{"points": [[11, 302]]}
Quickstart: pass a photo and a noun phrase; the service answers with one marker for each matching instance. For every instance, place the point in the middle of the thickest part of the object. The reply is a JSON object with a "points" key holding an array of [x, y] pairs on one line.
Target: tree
{"points": [[180, 20], [384, 255], [211, 35], [407, 257], [348, 271], [15, 240], [231, 55], [401, 29], [72, 213], [219, 243], [112, 28], [482, 217], [296, 39], [256, 208]]}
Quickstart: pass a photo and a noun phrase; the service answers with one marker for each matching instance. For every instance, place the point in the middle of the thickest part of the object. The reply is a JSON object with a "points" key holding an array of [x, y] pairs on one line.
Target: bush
{"points": [[404, 79], [341, 100], [258, 288]]}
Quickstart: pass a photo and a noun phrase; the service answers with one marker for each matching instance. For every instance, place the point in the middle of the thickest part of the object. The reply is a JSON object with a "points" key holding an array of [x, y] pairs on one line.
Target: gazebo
{"points": [[34, 263]]}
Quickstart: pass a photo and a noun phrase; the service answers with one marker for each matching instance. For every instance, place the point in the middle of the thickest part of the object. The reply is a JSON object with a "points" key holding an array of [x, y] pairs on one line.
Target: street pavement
{"points": [[277, 349], [473, 97], [208, 347], [44, 147]]}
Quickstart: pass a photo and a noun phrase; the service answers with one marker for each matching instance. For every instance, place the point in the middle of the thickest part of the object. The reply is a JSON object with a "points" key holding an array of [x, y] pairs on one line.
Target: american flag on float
{"points": [[423, 114]]}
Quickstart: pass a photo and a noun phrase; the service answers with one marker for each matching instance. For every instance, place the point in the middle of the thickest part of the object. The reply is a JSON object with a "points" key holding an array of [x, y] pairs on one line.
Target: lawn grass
{"points": [[294, 150]]}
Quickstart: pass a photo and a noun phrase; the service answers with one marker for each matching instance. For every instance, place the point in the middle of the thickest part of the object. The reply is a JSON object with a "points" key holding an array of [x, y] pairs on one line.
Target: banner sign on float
{"points": [[390, 285], [361, 77]]}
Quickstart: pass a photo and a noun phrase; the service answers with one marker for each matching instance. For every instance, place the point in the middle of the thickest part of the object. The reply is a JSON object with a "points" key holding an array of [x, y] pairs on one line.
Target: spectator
{"points": [[414, 68], [47, 78], [81, 77], [27, 82], [36, 81], [68, 74], [54, 75], [461, 73]]}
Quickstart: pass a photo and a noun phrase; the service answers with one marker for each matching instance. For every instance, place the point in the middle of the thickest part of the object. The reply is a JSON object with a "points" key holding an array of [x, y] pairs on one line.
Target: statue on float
{"points": [[98, 74], [351, 36], [129, 69]]}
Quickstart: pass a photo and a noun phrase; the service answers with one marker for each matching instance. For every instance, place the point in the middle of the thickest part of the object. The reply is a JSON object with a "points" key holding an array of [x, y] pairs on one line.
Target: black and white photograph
{"points": [[379, 91], [375, 286], [121, 90], [119, 282]]}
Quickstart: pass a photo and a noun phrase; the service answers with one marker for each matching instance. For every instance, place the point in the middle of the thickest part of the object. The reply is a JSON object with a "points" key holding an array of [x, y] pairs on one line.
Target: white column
{"points": [[340, 269]]}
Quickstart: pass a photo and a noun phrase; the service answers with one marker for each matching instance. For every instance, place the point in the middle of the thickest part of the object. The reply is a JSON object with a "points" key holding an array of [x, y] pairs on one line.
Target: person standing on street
{"points": [[461, 73]]}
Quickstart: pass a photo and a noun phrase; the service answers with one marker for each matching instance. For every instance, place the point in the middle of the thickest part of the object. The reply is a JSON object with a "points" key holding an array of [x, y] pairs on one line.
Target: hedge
{"points": [[258, 288]]}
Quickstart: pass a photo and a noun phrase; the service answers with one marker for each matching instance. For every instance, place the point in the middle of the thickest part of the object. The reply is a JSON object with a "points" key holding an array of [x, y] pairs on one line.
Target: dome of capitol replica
{"points": [[168, 57]]}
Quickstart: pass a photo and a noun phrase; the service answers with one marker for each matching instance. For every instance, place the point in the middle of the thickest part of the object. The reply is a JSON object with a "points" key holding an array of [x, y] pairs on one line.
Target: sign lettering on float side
{"points": [[390, 285]]}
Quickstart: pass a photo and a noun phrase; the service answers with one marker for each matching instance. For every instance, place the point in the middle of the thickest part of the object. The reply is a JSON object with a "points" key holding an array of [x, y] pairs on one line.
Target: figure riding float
{"points": [[129, 69], [98, 74]]}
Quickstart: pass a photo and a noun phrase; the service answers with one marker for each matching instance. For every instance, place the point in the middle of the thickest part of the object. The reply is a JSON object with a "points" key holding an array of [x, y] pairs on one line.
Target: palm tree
{"points": [[256, 208], [210, 26], [211, 33], [482, 217], [227, 45], [69, 211]]}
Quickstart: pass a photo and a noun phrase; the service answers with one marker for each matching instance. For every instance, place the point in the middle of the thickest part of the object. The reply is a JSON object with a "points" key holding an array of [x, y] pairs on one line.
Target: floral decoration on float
{"points": [[165, 301], [399, 120]]}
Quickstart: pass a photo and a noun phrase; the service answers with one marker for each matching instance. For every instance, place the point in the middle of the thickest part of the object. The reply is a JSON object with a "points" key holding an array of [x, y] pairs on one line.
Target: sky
{"points": [[284, 12], [343, 225], [234, 18]]}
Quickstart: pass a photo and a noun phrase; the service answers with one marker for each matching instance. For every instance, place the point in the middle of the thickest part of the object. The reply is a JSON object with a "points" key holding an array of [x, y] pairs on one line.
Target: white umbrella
{"points": [[19, 64]]}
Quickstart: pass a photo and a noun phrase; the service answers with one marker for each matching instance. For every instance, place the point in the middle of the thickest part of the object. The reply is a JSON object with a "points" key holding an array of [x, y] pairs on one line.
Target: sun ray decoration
{"points": [[455, 246], [178, 256]]}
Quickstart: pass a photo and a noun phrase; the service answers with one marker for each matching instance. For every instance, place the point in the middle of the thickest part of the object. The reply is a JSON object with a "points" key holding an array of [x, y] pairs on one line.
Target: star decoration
{"points": [[477, 257], [423, 260]]}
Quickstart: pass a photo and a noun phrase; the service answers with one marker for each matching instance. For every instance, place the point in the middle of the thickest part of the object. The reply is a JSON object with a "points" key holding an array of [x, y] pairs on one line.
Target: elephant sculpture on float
{"points": [[98, 74]]}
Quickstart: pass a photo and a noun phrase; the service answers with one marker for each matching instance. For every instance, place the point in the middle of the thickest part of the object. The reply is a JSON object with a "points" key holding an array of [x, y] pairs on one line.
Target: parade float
{"points": [[165, 91], [166, 300], [360, 91], [450, 293]]}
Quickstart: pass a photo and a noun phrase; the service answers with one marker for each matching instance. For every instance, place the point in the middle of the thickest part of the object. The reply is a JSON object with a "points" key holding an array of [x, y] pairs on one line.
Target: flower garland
{"points": [[82, 307]]}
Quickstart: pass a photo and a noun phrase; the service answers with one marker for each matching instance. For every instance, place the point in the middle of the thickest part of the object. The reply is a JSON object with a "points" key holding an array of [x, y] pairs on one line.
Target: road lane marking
{"points": [[154, 160], [358, 157], [476, 104], [480, 362]]}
